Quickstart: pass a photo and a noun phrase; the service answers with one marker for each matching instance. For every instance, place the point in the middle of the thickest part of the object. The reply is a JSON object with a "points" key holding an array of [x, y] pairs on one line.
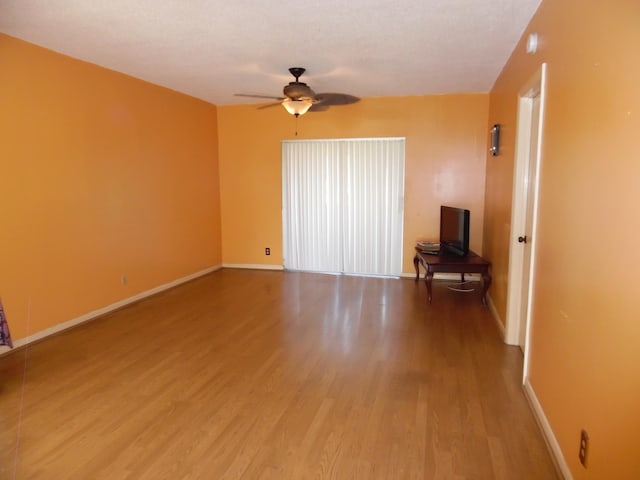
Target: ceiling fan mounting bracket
{"points": [[297, 72]]}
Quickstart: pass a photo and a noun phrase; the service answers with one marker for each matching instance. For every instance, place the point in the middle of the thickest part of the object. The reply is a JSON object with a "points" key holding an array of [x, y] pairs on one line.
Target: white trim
{"points": [[252, 266], [534, 226], [552, 443], [496, 317], [104, 310]]}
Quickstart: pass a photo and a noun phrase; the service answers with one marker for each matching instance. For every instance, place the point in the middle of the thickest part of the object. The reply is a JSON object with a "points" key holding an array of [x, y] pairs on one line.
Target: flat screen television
{"points": [[454, 230]]}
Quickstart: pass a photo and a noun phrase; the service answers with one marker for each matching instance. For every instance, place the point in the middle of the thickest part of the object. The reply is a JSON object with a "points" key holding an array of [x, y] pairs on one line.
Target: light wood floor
{"points": [[272, 375]]}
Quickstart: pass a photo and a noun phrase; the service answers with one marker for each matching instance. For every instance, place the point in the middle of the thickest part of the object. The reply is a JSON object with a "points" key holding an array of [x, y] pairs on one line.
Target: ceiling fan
{"points": [[299, 98]]}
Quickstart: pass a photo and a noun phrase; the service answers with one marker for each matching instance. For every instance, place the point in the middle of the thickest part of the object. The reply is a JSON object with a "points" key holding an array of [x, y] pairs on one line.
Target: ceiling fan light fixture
{"points": [[297, 107]]}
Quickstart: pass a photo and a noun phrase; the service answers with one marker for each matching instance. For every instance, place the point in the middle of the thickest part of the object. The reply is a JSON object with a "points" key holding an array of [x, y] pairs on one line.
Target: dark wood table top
{"points": [[448, 259]]}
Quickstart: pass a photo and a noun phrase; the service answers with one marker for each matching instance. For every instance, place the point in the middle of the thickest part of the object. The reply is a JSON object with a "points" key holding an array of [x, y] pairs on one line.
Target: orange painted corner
{"points": [[109, 177]]}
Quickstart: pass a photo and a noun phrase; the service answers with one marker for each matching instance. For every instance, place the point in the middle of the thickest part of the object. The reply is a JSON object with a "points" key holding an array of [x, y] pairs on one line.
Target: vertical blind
{"points": [[343, 205]]}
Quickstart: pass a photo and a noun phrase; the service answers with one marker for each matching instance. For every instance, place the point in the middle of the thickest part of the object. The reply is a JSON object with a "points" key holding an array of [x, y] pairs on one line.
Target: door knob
{"points": [[522, 239]]}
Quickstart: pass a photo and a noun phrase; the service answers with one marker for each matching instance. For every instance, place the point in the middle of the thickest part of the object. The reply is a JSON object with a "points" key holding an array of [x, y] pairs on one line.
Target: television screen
{"points": [[454, 230]]}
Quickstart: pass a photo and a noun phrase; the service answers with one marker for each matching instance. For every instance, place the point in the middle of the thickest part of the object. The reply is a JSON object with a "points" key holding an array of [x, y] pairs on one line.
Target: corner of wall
{"points": [[496, 317]]}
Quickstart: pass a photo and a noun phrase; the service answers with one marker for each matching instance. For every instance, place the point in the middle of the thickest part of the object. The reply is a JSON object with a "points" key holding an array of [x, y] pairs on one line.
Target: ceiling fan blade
{"points": [[319, 107], [271, 97], [269, 105], [331, 99]]}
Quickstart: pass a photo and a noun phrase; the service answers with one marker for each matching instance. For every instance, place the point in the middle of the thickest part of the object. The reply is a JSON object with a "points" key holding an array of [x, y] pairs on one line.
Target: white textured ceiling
{"points": [[211, 49]]}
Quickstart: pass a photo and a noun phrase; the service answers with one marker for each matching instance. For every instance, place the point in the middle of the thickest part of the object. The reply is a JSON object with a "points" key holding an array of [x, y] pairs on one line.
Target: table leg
{"points": [[486, 283], [427, 280], [416, 260]]}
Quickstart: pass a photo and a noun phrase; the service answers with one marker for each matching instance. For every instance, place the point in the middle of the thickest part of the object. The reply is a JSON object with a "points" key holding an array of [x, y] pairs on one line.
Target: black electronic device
{"points": [[454, 230]]}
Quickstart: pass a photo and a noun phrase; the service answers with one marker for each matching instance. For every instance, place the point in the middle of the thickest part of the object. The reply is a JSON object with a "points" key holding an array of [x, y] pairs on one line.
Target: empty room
{"points": [[346, 240]]}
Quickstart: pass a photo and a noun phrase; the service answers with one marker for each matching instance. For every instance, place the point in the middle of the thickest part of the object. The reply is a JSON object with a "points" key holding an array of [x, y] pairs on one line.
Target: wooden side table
{"points": [[446, 263]]}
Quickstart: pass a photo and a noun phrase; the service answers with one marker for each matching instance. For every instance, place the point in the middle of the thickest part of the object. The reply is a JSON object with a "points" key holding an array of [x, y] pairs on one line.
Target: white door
{"points": [[526, 237], [524, 211]]}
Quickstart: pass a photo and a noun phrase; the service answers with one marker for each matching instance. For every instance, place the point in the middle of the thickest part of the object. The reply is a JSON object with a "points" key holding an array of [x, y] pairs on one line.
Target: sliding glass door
{"points": [[343, 205]]}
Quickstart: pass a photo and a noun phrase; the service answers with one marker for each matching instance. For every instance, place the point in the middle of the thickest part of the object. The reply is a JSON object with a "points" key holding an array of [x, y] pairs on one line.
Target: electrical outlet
{"points": [[123, 280], [267, 251], [584, 448]]}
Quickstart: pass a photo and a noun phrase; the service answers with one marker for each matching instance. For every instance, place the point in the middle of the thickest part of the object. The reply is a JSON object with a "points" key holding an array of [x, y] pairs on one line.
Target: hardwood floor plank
{"points": [[259, 374]]}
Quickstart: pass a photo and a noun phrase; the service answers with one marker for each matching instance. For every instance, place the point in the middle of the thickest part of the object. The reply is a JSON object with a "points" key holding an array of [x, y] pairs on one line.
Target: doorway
{"points": [[531, 101]]}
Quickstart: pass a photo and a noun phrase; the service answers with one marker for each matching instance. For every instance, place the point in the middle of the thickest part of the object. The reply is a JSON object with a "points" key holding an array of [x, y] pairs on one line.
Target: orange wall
{"points": [[445, 164], [102, 175], [585, 355]]}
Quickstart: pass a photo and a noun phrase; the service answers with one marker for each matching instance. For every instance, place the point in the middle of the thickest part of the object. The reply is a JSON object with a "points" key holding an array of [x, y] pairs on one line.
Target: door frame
{"points": [[535, 86]]}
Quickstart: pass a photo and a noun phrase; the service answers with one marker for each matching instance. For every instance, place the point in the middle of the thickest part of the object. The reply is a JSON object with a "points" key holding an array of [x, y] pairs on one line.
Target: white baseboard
{"points": [[109, 308], [496, 317], [550, 438], [252, 266]]}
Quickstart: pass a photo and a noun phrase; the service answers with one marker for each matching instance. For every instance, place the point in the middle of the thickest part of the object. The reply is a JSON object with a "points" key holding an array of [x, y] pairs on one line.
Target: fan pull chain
{"points": [[297, 124]]}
